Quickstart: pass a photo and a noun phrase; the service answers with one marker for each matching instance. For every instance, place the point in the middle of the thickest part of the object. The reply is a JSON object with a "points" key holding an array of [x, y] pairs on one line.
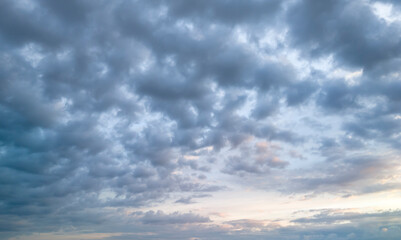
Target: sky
{"points": [[200, 120]]}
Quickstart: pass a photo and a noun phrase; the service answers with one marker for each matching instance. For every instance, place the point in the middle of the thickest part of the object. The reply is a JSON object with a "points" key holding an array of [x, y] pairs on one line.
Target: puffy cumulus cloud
{"points": [[333, 27], [111, 105]]}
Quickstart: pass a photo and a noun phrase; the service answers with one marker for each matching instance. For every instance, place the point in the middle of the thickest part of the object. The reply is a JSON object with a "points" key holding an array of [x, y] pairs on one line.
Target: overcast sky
{"points": [[200, 120]]}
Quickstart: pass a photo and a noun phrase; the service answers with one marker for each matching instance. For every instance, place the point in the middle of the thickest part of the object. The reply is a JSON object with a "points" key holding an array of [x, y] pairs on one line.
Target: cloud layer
{"points": [[113, 110]]}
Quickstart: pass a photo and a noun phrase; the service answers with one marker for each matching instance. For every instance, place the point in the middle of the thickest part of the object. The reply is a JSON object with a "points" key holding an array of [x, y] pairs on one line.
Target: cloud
{"points": [[107, 106], [161, 218], [259, 159], [348, 176], [332, 28]]}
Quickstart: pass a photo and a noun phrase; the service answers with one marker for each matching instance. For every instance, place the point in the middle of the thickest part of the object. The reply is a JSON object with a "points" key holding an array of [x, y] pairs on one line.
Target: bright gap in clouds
{"points": [[190, 120]]}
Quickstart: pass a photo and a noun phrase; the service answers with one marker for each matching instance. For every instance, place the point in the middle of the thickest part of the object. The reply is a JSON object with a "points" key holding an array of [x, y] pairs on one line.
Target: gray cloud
{"points": [[347, 176], [333, 28], [259, 159], [112, 105], [161, 218]]}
